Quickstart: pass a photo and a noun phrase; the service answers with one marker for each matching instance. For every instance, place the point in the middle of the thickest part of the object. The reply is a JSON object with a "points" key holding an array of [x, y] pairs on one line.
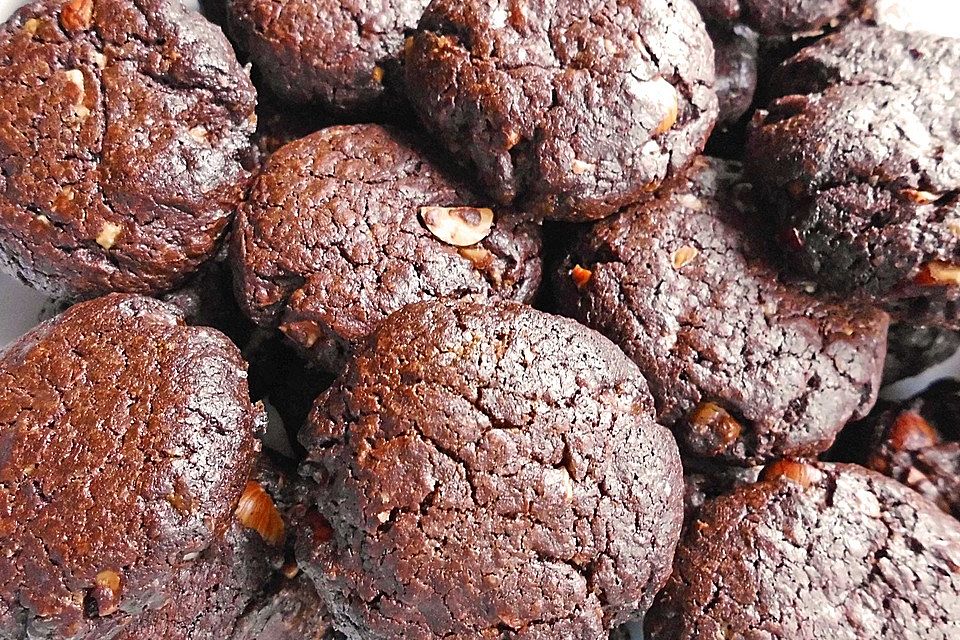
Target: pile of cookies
{"points": [[490, 319]]}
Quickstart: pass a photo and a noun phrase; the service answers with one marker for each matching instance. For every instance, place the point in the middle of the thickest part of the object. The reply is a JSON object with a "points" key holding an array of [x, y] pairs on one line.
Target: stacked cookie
{"points": [[436, 320]]}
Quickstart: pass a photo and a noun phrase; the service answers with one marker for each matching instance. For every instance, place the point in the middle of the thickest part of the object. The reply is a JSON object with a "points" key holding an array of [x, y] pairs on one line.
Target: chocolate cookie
{"points": [[858, 161], [236, 589], [341, 56], [345, 226], [780, 17], [571, 108], [742, 366], [122, 126], [489, 471], [127, 440], [815, 551], [914, 349]]}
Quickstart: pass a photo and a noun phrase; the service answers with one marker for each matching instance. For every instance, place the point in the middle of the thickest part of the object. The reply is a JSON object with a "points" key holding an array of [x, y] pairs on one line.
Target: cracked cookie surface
{"points": [[127, 439], [343, 56], [489, 471], [851, 555], [235, 589], [742, 367], [122, 125], [572, 109], [332, 239], [859, 161]]}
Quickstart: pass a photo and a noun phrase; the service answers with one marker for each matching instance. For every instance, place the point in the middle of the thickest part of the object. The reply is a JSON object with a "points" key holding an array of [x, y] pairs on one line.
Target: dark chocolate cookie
{"points": [[914, 349], [347, 225], [489, 471], [237, 588], [571, 108], [815, 551], [341, 56], [859, 161], [127, 438], [784, 17], [742, 366], [122, 127]]}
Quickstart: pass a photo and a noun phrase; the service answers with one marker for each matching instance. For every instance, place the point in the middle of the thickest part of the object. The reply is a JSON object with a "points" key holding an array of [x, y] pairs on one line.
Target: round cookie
{"points": [[122, 128], [785, 17], [347, 225], [742, 366], [859, 161], [815, 551], [571, 108], [341, 56], [489, 471], [127, 439]]}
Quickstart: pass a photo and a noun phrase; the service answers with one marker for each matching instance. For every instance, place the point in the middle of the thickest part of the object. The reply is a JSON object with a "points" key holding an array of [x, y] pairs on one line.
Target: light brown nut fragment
{"points": [[664, 95], [290, 569], [919, 197], [377, 74], [458, 226], [106, 592], [713, 429], [480, 257], [77, 15], [579, 167], [257, 511], [108, 235], [199, 133], [305, 332], [939, 273], [684, 256], [794, 470], [580, 276], [910, 432]]}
